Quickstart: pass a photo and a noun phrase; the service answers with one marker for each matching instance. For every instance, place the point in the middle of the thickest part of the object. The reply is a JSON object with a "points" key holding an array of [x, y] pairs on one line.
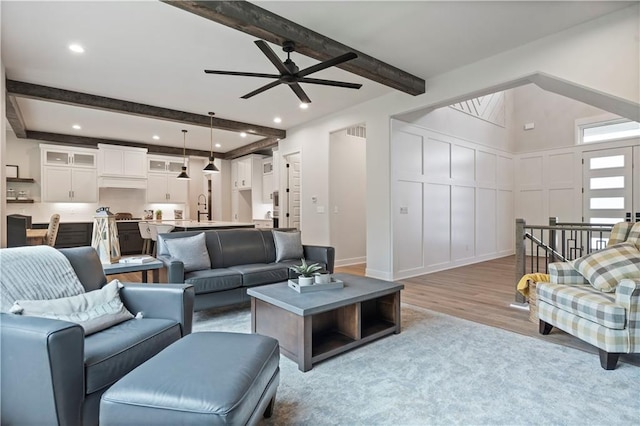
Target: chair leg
{"points": [[608, 360], [544, 327]]}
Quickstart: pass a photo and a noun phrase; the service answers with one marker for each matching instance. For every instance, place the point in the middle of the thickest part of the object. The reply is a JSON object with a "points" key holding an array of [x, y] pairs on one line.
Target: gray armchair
{"points": [[53, 374]]}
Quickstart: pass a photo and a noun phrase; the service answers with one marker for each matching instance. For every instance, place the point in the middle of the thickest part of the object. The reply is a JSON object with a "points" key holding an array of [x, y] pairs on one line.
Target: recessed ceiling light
{"points": [[218, 145], [76, 48], [76, 126], [304, 105], [277, 120], [155, 137], [243, 135]]}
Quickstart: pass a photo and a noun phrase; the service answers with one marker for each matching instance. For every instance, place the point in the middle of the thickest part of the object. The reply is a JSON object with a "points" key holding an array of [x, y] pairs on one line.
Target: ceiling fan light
{"points": [[304, 105], [183, 174]]}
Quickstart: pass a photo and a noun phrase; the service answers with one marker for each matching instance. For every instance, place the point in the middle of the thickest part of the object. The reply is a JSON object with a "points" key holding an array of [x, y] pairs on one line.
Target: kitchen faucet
{"points": [[204, 203]]}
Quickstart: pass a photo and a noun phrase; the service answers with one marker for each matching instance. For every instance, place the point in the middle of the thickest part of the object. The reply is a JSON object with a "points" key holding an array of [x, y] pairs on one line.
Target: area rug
{"points": [[442, 370]]}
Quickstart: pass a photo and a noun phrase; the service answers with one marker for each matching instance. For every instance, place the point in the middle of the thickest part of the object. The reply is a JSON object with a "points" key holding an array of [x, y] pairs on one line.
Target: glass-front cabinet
{"points": [[69, 174], [162, 185]]}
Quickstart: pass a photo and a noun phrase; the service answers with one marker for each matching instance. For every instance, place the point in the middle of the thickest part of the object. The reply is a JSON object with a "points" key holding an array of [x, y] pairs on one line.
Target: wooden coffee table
{"points": [[315, 326]]}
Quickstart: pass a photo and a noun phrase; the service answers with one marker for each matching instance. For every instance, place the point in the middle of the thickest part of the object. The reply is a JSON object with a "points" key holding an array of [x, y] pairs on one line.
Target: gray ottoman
{"points": [[203, 378]]}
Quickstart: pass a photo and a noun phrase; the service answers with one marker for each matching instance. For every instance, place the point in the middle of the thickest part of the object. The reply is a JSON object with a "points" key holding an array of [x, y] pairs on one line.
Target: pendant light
{"points": [[211, 168], [183, 174]]}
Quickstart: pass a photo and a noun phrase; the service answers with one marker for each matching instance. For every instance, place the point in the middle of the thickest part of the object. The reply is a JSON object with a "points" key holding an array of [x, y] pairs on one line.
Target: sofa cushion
{"points": [[261, 273], [619, 233], [112, 353], [605, 268], [212, 280], [191, 251], [94, 310], [584, 301], [288, 245]]}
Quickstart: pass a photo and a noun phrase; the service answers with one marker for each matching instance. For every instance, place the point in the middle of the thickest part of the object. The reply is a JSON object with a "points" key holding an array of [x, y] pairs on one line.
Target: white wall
{"points": [[553, 115], [453, 200], [574, 55], [347, 197]]}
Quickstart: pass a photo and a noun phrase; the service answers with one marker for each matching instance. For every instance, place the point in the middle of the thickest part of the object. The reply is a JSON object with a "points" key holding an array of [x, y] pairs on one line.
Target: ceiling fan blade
{"points": [[328, 63], [260, 90], [271, 55], [300, 93], [244, 74], [330, 83]]}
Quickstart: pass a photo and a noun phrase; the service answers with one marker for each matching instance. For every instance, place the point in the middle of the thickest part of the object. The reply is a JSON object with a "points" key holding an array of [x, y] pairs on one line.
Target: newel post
{"points": [[520, 257]]}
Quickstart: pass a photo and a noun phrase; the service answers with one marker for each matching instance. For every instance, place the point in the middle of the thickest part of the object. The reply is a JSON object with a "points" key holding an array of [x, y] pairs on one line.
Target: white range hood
{"points": [[122, 167]]}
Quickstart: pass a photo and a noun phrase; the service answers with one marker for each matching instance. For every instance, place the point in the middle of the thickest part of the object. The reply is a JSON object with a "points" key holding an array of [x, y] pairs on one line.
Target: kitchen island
{"points": [[194, 225]]}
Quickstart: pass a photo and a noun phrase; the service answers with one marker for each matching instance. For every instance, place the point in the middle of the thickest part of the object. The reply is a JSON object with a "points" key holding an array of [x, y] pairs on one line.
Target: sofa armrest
{"points": [[628, 295], [564, 273], [321, 254], [42, 371], [167, 301], [175, 269]]}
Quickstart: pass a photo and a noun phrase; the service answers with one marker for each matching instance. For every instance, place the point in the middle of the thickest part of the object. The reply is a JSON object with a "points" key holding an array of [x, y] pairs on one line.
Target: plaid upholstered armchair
{"points": [[597, 297]]}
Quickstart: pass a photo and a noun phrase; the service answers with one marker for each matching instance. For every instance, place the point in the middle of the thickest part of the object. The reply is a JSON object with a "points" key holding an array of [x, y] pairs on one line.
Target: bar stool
{"points": [[145, 233], [158, 229]]}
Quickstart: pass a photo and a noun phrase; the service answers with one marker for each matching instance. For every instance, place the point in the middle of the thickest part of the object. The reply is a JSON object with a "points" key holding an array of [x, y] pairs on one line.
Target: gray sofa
{"points": [[240, 258], [53, 374]]}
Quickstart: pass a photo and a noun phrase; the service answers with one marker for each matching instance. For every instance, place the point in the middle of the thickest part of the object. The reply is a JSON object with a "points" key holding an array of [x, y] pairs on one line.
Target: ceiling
{"points": [[153, 53]]}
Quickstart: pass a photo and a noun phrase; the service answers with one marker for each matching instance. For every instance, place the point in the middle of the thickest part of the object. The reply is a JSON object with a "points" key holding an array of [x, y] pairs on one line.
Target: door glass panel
{"points": [[83, 159], [606, 162], [610, 182], [55, 157], [175, 166], [607, 203], [606, 220], [156, 166]]}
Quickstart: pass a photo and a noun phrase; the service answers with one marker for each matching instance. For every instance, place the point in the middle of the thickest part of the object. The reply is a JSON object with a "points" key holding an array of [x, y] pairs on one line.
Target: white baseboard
{"points": [[381, 275], [351, 261]]}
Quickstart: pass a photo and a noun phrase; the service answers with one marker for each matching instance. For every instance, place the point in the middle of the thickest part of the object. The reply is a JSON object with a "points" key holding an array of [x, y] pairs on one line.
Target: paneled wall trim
{"points": [[453, 201]]}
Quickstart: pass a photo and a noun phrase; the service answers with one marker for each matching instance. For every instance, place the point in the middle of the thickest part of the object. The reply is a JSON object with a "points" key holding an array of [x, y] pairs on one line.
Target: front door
{"points": [[608, 185]]}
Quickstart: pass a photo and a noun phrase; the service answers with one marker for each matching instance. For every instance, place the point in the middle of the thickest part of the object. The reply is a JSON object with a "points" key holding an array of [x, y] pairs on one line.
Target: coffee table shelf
{"points": [[312, 327]]}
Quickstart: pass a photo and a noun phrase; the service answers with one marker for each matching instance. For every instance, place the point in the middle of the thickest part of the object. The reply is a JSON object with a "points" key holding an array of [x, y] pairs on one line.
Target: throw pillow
{"points": [[619, 233], [94, 311], [605, 268], [634, 235], [191, 251], [288, 245]]}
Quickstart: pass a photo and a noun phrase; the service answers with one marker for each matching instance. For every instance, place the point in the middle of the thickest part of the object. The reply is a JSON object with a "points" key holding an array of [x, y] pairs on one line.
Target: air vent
{"points": [[357, 131]]}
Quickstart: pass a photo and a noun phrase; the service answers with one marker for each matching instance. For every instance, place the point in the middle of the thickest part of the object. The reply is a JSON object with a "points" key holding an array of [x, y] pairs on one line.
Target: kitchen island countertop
{"points": [[190, 225]]}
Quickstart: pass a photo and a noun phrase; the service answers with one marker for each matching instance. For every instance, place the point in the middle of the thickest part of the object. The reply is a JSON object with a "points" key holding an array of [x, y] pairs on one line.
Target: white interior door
{"points": [[608, 185], [292, 215]]}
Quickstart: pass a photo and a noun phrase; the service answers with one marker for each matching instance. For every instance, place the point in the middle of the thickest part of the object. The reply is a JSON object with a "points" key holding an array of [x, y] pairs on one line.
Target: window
{"points": [[608, 131]]}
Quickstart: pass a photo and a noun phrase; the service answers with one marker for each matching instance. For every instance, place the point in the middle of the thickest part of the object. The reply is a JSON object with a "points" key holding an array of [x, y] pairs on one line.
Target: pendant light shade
{"points": [[183, 174], [211, 168]]}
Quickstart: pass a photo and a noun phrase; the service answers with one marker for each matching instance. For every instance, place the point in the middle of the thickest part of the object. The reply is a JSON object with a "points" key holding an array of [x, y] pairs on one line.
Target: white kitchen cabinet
{"points": [[241, 172], [68, 174], [162, 185], [267, 181], [122, 161]]}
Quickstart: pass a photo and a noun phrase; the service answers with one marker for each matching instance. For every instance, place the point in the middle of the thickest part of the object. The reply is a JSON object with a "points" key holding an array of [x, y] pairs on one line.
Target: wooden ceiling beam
{"points": [[84, 141], [14, 116], [249, 149], [68, 97], [251, 19]]}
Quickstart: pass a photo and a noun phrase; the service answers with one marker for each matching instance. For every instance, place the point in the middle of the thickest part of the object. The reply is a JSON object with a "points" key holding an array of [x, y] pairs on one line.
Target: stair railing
{"points": [[539, 245]]}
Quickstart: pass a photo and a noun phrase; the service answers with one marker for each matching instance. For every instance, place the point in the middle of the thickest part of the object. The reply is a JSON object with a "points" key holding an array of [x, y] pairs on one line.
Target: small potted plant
{"points": [[306, 271], [158, 214]]}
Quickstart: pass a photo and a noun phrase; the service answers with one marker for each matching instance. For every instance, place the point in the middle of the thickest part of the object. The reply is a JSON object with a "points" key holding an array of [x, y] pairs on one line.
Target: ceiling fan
{"points": [[290, 74]]}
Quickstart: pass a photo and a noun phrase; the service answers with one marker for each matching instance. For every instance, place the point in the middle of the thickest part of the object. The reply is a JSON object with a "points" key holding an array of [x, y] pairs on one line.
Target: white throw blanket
{"points": [[35, 273]]}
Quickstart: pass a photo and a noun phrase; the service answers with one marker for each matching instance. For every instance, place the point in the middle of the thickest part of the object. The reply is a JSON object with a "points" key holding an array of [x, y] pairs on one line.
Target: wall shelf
{"points": [[21, 180], [20, 201]]}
